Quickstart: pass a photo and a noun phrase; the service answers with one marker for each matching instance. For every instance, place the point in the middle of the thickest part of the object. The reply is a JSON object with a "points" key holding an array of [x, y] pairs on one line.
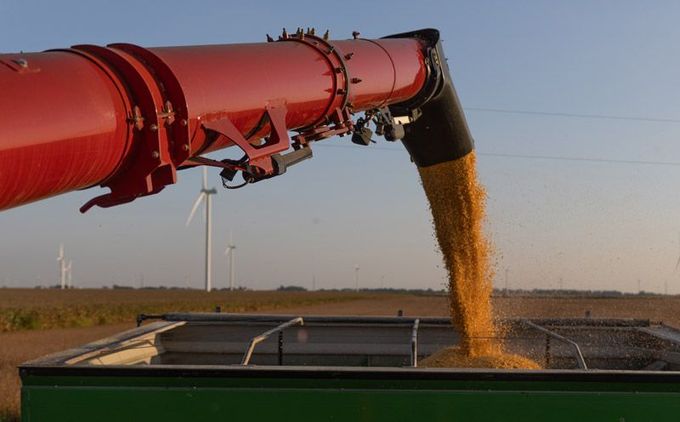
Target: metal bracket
{"points": [[156, 102], [342, 125], [259, 156]]}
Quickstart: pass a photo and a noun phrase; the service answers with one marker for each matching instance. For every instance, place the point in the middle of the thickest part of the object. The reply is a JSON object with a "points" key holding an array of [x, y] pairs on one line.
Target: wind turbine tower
{"points": [[356, 278], [677, 263], [69, 274], [229, 252], [62, 267], [205, 194]]}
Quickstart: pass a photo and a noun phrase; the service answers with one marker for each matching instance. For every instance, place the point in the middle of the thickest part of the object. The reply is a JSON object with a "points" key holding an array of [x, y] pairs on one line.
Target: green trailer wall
{"points": [[323, 394]]}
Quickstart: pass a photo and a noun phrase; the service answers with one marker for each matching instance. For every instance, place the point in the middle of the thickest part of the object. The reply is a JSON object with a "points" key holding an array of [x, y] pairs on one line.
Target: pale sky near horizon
{"points": [[593, 224]]}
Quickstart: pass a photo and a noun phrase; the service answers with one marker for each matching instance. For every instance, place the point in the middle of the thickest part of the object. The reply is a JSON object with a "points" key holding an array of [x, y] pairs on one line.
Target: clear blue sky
{"points": [[595, 225]]}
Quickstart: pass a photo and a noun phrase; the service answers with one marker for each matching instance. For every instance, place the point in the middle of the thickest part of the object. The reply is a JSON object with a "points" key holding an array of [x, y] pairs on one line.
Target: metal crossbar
{"points": [[262, 337], [579, 356]]}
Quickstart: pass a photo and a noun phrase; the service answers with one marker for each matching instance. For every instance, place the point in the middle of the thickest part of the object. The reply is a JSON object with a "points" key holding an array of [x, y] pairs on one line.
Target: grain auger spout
{"points": [[127, 118], [440, 133]]}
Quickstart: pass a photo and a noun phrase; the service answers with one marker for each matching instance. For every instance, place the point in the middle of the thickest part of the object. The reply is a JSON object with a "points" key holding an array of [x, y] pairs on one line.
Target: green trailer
{"points": [[222, 367]]}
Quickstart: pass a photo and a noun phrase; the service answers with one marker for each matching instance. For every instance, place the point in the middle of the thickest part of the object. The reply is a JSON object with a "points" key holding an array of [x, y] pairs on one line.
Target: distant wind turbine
{"points": [[356, 277], [62, 267], [677, 263], [205, 194], [229, 252]]}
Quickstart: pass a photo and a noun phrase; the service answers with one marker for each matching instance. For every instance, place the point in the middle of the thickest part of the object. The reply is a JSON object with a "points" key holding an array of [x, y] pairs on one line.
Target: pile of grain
{"points": [[455, 357], [458, 202]]}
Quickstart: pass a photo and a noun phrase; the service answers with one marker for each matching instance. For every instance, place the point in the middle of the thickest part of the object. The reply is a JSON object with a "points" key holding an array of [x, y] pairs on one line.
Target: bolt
{"points": [[183, 122], [155, 154], [153, 127], [326, 35], [355, 34], [348, 56], [355, 80], [21, 62], [185, 147]]}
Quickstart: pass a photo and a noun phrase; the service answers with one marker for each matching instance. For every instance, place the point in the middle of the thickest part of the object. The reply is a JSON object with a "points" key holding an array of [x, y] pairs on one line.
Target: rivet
{"points": [[21, 62]]}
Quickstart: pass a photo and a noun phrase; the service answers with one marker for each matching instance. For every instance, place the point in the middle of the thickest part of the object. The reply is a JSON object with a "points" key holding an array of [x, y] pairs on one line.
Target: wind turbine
{"points": [[62, 267], [229, 252], [205, 195]]}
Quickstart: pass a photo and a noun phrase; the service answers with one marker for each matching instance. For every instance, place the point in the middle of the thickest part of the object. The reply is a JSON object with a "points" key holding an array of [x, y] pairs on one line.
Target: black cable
{"points": [[224, 184]]}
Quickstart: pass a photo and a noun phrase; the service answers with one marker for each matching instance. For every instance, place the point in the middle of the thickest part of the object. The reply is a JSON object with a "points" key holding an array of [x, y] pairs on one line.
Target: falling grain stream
{"points": [[457, 201]]}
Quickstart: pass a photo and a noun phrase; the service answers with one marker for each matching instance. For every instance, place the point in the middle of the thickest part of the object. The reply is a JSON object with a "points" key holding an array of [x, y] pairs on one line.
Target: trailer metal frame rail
{"points": [[580, 361]]}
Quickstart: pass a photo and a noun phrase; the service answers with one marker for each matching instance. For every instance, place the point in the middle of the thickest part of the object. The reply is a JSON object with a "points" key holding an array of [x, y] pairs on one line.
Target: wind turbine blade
{"points": [[195, 207], [205, 177], [227, 251]]}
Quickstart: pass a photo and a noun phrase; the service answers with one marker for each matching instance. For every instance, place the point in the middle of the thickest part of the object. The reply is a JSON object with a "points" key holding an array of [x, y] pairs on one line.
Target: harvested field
{"points": [[29, 309], [658, 308]]}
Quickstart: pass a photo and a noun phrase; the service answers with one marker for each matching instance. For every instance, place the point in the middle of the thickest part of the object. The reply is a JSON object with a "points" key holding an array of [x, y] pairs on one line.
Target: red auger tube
{"points": [[127, 118]]}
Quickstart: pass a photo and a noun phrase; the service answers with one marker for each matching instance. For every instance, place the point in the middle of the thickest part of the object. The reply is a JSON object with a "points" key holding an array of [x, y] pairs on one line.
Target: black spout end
{"points": [[441, 133]]}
